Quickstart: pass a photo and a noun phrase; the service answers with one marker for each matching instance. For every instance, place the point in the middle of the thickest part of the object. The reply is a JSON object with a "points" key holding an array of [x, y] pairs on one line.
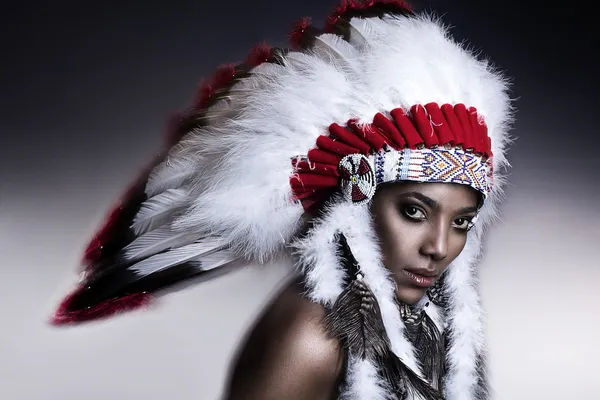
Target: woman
{"points": [[291, 354], [372, 154]]}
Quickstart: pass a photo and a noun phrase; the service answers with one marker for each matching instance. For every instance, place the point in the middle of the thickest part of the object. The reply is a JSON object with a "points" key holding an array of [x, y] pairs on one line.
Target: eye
{"points": [[464, 224], [414, 212]]}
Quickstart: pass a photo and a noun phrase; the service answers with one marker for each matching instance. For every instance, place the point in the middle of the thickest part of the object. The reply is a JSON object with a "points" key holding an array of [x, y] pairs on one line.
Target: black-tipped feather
{"points": [[430, 345], [355, 316], [355, 319], [119, 282]]}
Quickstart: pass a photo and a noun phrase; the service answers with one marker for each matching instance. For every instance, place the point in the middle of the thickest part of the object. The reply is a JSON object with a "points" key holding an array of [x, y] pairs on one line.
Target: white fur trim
{"points": [[318, 260], [464, 323], [363, 382]]}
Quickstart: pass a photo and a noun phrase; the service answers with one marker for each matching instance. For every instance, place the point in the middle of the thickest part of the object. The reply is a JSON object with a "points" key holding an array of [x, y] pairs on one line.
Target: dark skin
{"points": [[289, 355], [422, 227]]}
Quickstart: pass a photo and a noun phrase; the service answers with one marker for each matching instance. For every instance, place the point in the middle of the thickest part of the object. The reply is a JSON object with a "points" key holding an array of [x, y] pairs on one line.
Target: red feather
{"points": [[118, 218], [339, 11], [203, 96], [173, 132], [298, 33], [221, 78], [103, 310], [357, 6], [93, 252], [259, 54]]}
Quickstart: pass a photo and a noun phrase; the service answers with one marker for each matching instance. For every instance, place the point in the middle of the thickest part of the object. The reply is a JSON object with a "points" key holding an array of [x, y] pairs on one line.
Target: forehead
{"points": [[447, 195]]}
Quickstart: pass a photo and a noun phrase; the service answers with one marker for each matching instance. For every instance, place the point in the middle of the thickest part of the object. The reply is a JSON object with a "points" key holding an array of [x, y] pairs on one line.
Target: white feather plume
{"points": [[196, 252], [156, 241], [170, 174], [157, 209], [337, 50]]}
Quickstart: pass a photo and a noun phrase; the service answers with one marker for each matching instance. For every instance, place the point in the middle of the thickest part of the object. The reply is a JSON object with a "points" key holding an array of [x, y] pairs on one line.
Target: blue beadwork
{"points": [[379, 166]]}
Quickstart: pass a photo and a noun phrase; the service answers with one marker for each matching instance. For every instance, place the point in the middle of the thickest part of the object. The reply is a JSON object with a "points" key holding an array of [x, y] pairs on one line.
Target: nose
{"points": [[435, 244]]}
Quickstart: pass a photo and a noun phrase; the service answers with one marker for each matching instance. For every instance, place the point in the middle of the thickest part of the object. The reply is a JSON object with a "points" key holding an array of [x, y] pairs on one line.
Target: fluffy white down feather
{"points": [[242, 164], [364, 383]]}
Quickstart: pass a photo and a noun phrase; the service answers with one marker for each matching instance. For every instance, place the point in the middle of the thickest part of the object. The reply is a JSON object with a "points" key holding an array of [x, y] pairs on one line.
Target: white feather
{"points": [[360, 32], [363, 382], [356, 37], [170, 174], [191, 252], [155, 210], [156, 241], [465, 323], [333, 47], [215, 260]]}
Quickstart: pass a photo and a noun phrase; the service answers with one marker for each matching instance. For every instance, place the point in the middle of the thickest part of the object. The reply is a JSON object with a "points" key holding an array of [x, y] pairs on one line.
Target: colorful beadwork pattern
{"points": [[442, 165], [379, 165], [433, 165], [358, 180]]}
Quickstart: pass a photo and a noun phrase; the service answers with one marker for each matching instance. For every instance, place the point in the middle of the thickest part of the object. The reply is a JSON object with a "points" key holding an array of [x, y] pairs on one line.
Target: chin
{"points": [[409, 295]]}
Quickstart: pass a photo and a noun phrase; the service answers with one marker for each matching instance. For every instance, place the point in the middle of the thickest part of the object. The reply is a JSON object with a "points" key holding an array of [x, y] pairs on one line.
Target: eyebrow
{"points": [[435, 205], [468, 210], [420, 196]]}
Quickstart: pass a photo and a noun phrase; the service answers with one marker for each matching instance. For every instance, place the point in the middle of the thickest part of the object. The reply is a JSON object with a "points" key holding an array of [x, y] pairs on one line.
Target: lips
{"points": [[421, 277]]}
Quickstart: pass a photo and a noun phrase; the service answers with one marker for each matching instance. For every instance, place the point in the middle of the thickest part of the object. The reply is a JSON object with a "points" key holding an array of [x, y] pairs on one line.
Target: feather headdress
{"points": [[289, 136]]}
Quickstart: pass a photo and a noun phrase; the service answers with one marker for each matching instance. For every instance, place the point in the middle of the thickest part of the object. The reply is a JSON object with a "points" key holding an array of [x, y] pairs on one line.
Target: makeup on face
{"points": [[422, 228]]}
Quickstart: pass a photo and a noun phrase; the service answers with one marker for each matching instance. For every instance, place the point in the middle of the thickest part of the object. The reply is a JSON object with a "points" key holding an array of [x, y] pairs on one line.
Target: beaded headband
{"points": [[432, 143]]}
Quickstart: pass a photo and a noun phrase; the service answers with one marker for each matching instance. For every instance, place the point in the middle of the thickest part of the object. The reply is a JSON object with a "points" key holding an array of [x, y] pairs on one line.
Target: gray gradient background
{"points": [[85, 95]]}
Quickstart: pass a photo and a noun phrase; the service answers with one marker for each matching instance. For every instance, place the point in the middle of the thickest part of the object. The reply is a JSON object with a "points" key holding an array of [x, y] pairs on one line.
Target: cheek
{"points": [[456, 244], [398, 239]]}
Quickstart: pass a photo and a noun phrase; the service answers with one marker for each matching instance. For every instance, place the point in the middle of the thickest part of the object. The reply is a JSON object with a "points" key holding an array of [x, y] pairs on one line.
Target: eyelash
{"points": [[419, 209]]}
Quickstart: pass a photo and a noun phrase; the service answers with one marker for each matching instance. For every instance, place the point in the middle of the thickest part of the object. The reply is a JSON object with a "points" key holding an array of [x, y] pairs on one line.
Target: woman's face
{"points": [[422, 228]]}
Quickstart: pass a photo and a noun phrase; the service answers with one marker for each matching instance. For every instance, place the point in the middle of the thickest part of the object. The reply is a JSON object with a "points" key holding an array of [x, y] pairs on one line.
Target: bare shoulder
{"points": [[298, 323], [288, 354]]}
